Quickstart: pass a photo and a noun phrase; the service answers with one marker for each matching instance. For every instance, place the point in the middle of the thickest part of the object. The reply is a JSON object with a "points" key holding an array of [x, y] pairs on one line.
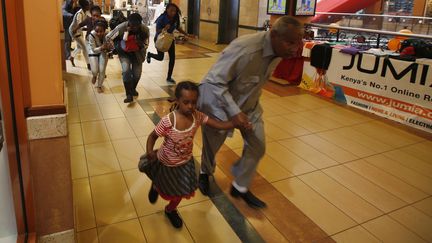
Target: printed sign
{"points": [[395, 89]]}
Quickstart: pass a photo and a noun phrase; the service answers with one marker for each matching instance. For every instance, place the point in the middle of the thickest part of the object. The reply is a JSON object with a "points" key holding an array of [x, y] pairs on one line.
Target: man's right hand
{"points": [[241, 120]]}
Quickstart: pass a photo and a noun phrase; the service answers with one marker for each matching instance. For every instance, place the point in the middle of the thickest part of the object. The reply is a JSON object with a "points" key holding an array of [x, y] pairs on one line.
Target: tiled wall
{"points": [[51, 175], [52, 184], [248, 13], [208, 31], [251, 14], [209, 10]]}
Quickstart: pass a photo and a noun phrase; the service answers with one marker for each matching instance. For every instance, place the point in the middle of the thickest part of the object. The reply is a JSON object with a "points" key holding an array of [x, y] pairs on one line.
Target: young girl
{"points": [[98, 53], [172, 168], [168, 21]]}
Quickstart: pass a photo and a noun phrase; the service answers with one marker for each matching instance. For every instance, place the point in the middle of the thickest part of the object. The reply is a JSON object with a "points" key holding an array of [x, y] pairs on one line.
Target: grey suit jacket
{"points": [[234, 83]]}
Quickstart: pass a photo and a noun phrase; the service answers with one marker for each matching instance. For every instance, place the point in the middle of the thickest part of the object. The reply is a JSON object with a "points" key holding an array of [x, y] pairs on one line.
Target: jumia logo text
{"points": [[387, 65]]}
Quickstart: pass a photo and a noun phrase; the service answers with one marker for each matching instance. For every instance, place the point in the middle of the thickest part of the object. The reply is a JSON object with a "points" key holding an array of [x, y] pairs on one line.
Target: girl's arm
{"points": [[184, 32], [151, 140], [92, 44]]}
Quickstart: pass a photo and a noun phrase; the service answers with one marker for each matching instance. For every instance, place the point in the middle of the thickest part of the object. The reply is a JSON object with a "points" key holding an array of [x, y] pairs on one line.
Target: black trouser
{"points": [[67, 20], [160, 57]]}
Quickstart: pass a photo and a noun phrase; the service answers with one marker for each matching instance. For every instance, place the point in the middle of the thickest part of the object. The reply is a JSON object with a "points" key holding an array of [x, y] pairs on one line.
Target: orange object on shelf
{"points": [[394, 44]]}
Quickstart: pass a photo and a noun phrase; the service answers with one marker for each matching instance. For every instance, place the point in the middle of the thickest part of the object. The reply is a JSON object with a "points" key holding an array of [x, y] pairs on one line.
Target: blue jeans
{"points": [[131, 73]]}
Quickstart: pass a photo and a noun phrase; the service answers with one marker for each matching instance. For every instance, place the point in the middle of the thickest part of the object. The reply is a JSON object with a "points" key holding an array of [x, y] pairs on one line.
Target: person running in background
{"points": [[80, 16], [168, 21], [70, 7], [98, 49], [89, 22], [131, 41]]}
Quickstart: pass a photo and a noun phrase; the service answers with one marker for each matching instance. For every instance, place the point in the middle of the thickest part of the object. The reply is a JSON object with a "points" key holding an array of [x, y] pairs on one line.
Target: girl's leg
{"points": [[136, 73], [81, 44], [76, 50], [172, 213], [173, 204], [94, 65], [103, 60], [67, 45], [171, 53], [153, 194], [159, 56]]}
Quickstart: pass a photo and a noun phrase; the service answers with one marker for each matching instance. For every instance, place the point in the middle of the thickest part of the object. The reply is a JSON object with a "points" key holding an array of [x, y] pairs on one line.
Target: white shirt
{"points": [[79, 17]]}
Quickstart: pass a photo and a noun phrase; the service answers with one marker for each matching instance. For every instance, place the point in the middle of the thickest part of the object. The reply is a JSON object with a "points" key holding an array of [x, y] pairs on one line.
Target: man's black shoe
{"points": [[128, 99], [153, 195], [248, 197], [174, 218], [203, 184]]}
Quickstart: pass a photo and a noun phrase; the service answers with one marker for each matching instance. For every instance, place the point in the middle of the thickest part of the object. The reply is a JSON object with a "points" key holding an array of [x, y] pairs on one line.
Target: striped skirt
{"points": [[178, 181]]}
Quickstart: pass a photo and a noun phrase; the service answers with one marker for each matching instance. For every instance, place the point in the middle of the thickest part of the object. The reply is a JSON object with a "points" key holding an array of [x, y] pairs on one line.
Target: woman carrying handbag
{"points": [[167, 23]]}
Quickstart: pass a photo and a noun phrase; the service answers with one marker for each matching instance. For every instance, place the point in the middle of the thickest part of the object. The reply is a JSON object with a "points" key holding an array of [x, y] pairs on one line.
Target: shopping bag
{"points": [[164, 41], [321, 85]]}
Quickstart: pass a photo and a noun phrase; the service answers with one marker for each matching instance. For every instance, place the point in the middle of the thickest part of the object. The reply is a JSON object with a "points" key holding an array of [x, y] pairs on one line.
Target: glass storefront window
{"points": [[399, 7]]}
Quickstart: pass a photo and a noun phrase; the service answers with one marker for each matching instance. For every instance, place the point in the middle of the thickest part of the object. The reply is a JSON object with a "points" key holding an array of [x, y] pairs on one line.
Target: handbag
{"points": [[164, 41], [321, 56], [150, 168]]}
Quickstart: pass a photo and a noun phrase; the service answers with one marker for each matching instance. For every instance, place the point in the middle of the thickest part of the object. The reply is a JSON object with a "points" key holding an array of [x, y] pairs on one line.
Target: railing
{"points": [[357, 36], [419, 25]]}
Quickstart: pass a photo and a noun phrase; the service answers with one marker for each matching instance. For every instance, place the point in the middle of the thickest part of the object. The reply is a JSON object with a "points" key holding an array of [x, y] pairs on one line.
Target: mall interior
{"points": [[347, 123]]}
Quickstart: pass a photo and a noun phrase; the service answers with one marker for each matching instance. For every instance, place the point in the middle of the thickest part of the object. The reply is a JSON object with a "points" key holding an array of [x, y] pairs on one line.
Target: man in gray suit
{"points": [[231, 90]]}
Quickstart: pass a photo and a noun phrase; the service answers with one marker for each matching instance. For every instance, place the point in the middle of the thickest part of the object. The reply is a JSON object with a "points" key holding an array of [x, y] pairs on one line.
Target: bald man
{"points": [[231, 91]]}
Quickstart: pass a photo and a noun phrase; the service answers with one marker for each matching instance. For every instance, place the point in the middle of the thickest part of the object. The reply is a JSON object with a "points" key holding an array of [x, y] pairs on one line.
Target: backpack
{"points": [[117, 19], [321, 56]]}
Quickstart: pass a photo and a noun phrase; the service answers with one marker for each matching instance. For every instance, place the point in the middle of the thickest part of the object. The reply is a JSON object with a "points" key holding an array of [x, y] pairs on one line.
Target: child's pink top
{"points": [[177, 146]]}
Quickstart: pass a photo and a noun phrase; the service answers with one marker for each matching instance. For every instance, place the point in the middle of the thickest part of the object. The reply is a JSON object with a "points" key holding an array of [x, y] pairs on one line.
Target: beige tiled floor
{"points": [[359, 179]]}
